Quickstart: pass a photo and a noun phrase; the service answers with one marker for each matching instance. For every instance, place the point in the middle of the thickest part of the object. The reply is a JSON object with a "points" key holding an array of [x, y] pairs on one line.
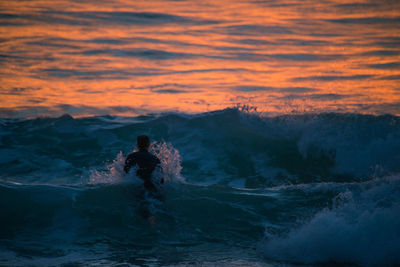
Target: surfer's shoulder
{"points": [[143, 155], [131, 155], [155, 159]]}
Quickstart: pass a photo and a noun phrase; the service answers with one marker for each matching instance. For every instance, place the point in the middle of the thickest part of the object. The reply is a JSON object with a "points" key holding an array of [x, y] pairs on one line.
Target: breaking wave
{"points": [[321, 188]]}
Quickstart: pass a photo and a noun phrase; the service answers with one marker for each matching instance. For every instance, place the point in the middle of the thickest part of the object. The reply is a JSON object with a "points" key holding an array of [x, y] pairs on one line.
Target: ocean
{"points": [[242, 189]]}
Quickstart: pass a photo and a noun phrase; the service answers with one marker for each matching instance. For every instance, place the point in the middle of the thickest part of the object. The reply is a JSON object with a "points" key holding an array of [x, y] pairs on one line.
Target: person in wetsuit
{"points": [[145, 161]]}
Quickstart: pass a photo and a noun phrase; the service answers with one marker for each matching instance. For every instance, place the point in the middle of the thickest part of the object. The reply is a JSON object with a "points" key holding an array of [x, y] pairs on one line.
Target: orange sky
{"points": [[132, 57]]}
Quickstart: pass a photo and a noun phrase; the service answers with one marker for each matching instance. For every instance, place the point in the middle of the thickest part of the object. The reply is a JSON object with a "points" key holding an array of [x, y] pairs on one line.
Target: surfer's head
{"points": [[143, 142]]}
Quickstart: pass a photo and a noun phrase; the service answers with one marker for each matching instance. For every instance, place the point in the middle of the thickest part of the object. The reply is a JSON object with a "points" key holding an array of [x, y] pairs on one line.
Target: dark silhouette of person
{"points": [[145, 164], [145, 161]]}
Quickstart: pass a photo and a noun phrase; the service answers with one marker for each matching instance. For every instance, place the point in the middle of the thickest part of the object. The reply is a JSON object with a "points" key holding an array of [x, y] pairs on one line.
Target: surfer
{"points": [[146, 163]]}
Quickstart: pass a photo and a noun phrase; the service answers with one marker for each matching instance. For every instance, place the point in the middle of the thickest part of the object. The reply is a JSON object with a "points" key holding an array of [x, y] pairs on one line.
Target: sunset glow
{"points": [[135, 57]]}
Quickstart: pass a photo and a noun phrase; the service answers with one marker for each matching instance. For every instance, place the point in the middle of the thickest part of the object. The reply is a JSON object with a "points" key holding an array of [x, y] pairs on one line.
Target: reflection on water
{"points": [[129, 57]]}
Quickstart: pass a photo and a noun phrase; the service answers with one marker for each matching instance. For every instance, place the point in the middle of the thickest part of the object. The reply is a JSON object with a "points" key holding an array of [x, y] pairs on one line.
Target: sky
{"points": [[89, 58]]}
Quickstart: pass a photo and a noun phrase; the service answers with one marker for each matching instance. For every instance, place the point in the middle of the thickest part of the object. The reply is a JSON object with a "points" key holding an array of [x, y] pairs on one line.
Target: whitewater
{"points": [[242, 189]]}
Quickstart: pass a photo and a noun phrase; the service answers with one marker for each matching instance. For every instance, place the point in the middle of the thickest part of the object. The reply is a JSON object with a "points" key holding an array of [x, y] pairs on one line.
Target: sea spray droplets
{"points": [[114, 173], [170, 160]]}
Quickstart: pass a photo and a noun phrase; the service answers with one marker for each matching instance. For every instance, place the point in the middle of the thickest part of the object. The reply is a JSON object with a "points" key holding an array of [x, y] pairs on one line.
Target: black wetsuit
{"points": [[147, 163]]}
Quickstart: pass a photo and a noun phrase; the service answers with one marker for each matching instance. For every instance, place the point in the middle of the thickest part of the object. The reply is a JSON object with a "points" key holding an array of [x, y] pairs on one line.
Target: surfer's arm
{"points": [[160, 170], [129, 162]]}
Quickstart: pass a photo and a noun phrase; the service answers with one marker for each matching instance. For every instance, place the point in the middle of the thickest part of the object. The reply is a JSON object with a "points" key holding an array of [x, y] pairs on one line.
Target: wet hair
{"points": [[143, 142]]}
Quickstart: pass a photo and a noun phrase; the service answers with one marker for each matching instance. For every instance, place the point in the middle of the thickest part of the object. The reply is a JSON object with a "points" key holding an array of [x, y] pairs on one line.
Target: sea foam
{"points": [[362, 227]]}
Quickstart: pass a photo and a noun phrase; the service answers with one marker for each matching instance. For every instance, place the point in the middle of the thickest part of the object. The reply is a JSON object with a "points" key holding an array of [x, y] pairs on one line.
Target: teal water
{"points": [[242, 190]]}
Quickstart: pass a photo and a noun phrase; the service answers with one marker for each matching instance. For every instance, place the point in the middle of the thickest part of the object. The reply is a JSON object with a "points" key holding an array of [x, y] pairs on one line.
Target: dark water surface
{"points": [[242, 190]]}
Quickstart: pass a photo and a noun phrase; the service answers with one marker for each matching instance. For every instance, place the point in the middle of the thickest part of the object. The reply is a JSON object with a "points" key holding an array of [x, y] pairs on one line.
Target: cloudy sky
{"points": [[133, 57]]}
